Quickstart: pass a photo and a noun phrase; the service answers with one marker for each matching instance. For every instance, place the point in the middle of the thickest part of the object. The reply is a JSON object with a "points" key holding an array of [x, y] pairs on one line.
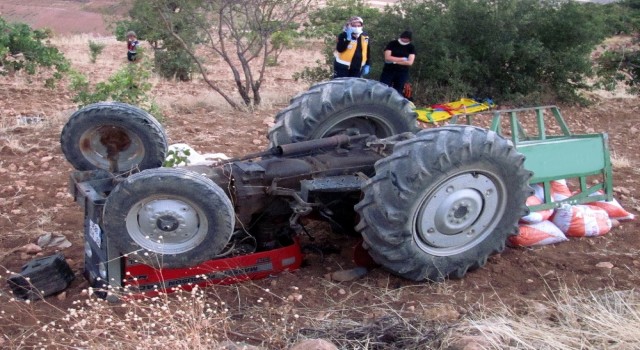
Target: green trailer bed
{"points": [[553, 153]]}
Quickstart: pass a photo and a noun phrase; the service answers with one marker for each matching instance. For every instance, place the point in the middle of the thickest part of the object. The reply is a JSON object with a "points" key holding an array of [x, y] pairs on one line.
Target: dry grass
{"points": [[620, 161], [208, 318], [571, 319], [252, 314]]}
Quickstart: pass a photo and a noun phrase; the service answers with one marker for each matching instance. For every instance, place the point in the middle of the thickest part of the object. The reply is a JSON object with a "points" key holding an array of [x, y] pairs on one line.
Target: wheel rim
{"points": [[366, 124], [111, 147], [459, 213], [167, 225]]}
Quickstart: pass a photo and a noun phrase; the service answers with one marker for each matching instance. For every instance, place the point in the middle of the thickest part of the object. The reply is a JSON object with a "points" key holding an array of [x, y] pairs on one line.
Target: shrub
{"points": [[21, 48], [502, 49], [95, 49], [129, 85]]}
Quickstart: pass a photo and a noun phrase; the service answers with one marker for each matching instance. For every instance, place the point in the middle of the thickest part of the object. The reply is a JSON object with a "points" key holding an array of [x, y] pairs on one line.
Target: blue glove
{"points": [[349, 31], [365, 70]]}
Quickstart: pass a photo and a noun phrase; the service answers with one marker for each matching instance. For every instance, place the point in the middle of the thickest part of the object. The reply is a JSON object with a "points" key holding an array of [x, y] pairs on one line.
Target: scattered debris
{"points": [[605, 265], [41, 277], [30, 248], [314, 344], [49, 239], [347, 275], [30, 119], [190, 156]]}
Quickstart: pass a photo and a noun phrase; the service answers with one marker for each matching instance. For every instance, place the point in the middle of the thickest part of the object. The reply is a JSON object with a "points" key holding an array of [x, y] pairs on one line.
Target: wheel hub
{"points": [[112, 147], [167, 223], [168, 226], [457, 211], [457, 214]]}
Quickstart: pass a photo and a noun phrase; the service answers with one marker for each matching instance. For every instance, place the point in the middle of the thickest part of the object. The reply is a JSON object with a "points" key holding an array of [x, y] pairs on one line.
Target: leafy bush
{"points": [[530, 51], [95, 49], [173, 64], [169, 57], [615, 66], [21, 48], [176, 157], [129, 85]]}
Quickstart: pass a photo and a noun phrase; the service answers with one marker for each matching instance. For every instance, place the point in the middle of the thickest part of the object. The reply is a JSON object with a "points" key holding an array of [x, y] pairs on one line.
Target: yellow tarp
{"points": [[440, 112]]}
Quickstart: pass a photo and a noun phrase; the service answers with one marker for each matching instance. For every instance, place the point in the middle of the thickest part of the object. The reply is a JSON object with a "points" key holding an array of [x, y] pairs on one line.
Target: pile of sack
{"points": [[556, 225]]}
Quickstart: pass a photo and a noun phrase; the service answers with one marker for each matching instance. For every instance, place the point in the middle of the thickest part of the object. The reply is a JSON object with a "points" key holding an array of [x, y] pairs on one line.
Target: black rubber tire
{"points": [[197, 216], [136, 138], [443, 202], [330, 108]]}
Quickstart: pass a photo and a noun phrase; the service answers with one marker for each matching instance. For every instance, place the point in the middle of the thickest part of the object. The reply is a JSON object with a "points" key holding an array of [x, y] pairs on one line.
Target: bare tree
{"points": [[238, 31]]}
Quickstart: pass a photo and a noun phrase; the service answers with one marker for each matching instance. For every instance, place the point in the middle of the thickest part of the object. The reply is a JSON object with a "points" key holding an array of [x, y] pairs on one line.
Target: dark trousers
{"points": [[395, 79], [343, 71]]}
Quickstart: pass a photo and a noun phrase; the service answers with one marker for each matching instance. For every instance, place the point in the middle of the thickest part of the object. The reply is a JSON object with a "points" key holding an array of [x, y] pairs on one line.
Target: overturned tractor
{"points": [[429, 204]]}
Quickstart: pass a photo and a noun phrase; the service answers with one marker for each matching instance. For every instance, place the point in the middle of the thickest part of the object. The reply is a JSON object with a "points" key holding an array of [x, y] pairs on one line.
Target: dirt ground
{"points": [[34, 198]]}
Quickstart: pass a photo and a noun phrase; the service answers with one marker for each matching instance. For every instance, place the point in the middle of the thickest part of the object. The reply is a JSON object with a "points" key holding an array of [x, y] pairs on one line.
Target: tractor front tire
{"points": [[344, 106], [168, 217], [113, 136], [443, 202]]}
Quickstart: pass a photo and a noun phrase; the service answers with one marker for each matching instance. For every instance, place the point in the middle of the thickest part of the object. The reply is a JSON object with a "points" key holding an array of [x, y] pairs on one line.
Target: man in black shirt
{"points": [[398, 57]]}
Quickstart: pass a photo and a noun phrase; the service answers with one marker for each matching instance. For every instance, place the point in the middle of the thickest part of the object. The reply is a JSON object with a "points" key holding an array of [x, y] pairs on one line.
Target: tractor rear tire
{"points": [[443, 202], [168, 217], [113, 136], [349, 105]]}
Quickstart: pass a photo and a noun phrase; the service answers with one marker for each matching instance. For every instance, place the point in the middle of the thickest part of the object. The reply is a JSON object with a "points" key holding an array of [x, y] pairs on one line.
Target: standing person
{"points": [[352, 51], [398, 57], [132, 46]]}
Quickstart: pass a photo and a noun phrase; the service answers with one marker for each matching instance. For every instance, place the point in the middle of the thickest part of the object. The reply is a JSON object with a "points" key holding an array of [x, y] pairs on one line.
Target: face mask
{"points": [[357, 30], [403, 42]]}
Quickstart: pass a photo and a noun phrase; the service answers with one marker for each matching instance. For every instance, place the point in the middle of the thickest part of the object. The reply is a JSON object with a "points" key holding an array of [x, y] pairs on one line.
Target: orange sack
{"points": [[581, 220], [542, 233], [559, 190], [613, 208], [535, 217]]}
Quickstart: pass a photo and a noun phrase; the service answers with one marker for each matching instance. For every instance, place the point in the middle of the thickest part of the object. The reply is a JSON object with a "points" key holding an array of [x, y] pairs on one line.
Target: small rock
{"points": [[295, 297], [540, 310], [471, 342], [30, 248], [257, 142], [605, 265], [633, 130], [46, 159], [347, 275], [442, 313], [615, 223], [12, 168], [229, 345], [83, 286], [62, 296], [314, 344], [44, 239], [622, 190], [50, 240], [342, 291]]}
